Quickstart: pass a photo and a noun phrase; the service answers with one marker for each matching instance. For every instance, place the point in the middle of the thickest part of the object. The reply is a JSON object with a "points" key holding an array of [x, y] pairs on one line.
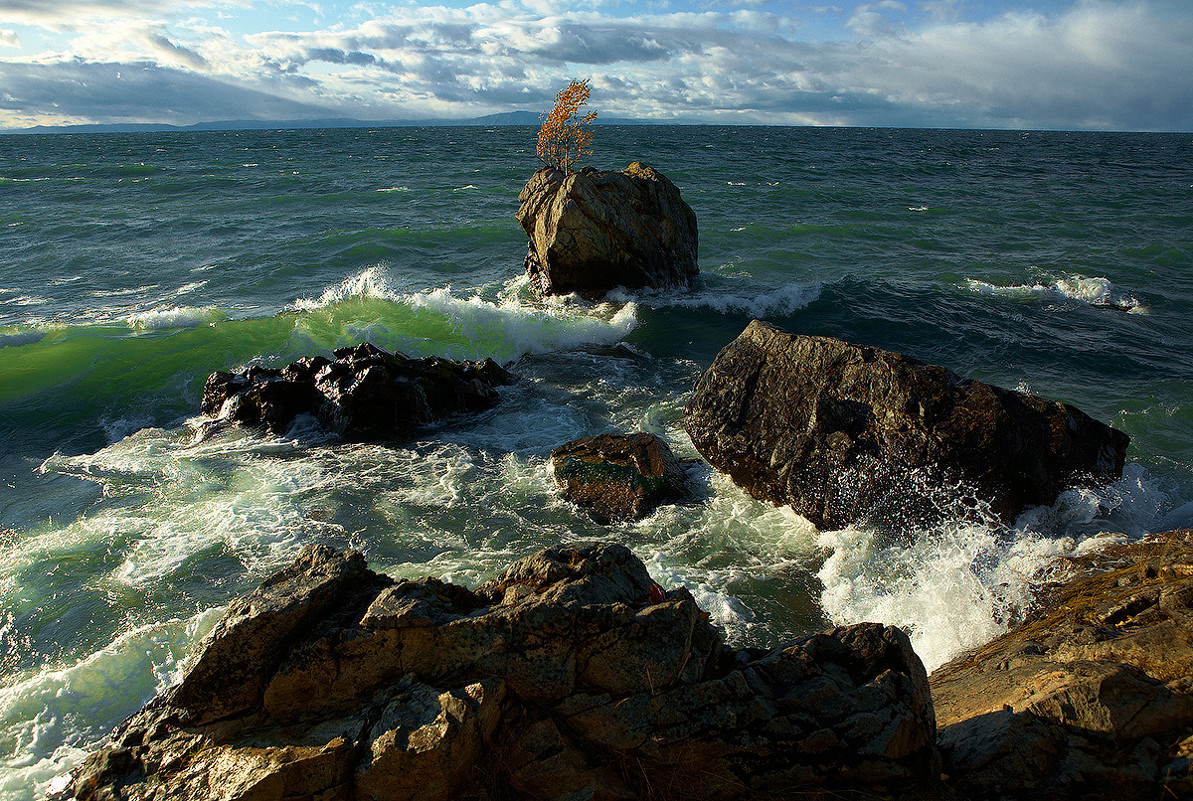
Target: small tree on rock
{"points": [[563, 138]]}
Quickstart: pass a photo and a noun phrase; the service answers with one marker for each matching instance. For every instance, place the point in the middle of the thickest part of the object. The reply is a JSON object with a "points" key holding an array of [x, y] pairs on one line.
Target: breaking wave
{"points": [[1096, 292]]}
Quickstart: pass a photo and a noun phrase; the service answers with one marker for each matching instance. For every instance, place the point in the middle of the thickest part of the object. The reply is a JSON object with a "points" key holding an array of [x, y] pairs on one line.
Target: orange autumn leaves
{"points": [[563, 138]]}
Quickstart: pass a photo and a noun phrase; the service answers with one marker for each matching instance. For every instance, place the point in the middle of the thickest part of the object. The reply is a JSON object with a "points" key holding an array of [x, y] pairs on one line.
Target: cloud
{"points": [[9, 38], [1097, 65], [111, 93], [58, 14]]}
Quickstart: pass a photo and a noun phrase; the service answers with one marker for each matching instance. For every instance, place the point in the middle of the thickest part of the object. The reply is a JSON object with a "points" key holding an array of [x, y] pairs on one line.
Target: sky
{"points": [[1019, 64]]}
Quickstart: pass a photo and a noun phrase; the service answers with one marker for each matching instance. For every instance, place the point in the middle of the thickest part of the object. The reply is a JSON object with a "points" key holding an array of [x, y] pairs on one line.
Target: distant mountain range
{"points": [[506, 118]]}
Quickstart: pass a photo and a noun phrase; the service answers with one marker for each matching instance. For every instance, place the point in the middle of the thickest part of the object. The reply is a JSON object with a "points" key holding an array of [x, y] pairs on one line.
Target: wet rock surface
{"points": [[364, 393], [1092, 697], [569, 676], [618, 476], [846, 433], [592, 231]]}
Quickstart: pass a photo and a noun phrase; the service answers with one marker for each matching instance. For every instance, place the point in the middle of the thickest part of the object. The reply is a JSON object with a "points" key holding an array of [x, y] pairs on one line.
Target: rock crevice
{"points": [[571, 675]]}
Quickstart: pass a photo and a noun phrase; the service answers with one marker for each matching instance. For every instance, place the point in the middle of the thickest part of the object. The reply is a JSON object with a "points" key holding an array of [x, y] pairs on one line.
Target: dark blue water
{"points": [[132, 266]]}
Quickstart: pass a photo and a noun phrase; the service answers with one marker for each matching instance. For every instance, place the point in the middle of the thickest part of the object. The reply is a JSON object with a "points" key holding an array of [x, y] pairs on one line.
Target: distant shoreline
{"points": [[506, 119], [512, 118]]}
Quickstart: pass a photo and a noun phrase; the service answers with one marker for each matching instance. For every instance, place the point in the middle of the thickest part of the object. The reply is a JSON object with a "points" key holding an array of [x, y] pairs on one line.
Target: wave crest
{"points": [[1097, 292]]}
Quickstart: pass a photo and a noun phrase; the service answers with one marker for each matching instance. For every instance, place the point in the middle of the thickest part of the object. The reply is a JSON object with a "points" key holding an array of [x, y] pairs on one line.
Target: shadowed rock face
{"points": [[618, 476], [1092, 697], [593, 231], [846, 433], [569, 676], [364, 394]]}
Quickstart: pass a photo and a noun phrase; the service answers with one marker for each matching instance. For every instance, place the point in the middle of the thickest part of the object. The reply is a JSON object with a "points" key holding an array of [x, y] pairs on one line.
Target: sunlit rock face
{"points": [[571, 675], [592, 231]]}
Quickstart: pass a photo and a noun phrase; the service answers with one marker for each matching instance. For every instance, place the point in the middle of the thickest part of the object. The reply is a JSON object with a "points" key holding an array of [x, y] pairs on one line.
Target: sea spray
{"points": [[52, 718], [502, 323], [1097, 292], [959, 584]]}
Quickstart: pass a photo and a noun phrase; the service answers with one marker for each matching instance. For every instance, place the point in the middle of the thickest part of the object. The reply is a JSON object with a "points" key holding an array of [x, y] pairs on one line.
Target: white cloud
{"points": [[1099, 65], [9, 38], [58, 14]]}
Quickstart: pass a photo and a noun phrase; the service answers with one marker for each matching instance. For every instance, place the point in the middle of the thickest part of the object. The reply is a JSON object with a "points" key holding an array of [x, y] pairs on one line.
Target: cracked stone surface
{"points": [[1092, 696], [571, 675]]}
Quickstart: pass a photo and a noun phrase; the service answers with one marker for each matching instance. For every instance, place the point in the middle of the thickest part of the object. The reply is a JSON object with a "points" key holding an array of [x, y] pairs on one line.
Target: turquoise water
{"points": [[132, 266]]}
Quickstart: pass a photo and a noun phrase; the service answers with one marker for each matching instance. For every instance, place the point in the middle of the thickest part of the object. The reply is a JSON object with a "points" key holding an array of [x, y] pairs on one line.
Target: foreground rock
{"points": [[364, 394], [618, 476], [1092, 697], [593, 231], [570, 676], [846, 433]]}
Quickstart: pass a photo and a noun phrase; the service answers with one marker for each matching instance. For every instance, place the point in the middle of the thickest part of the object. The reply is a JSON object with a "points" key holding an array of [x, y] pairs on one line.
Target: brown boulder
{"points": [[618, 476], [846, 433], [592, 231]]}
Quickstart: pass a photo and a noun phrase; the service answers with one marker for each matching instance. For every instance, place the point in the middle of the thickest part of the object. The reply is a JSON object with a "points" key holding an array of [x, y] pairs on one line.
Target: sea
{"points": [[134, 265]]}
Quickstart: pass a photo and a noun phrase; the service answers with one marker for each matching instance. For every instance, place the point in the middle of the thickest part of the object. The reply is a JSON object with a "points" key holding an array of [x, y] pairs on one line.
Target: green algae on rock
{"points": [[618, 476]]}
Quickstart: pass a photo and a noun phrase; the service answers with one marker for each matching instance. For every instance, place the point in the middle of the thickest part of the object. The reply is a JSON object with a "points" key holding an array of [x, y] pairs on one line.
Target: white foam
{"points": [[508, 329], [731, 298], [53, 718], [370, 283], [962, 584], [186, 289], [28, 300], [252, 508], [1097, 291], [951, 589], [176, 317]]}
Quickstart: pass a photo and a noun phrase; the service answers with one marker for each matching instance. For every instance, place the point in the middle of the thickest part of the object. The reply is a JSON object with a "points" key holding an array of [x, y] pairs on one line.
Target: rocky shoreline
{"points": [[574, 675]]}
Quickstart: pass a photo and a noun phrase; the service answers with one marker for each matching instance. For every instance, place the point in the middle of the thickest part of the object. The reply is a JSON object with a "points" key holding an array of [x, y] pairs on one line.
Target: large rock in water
{"points": [[570, 676], [845, 433], [618, 476], [1092, 697], [592, 231], [366, 393]]}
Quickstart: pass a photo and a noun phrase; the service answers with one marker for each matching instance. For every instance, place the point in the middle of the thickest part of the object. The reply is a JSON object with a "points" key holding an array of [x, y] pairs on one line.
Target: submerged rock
{"points": [[366, 393], [593, 231], [846, 433], [1092, 697], [569, 676], [618, 476]]}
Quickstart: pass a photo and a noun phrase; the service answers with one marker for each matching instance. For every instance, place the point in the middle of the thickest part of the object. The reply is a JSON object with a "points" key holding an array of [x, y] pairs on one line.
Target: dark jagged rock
{"points": [[1091, 697], [569, 676], [618, 476], [846, 433], [366, 393], [592, 231]]}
